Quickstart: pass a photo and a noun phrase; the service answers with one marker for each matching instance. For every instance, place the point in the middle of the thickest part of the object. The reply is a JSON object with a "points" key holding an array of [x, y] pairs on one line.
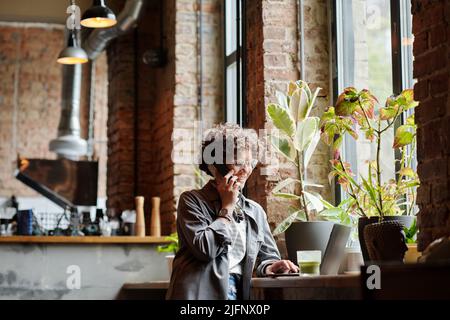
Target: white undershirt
{"points": [[236, 251]]}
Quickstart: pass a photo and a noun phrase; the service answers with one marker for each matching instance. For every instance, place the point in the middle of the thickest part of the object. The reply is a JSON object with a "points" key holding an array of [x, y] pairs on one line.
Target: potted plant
{"points": [[171, 247], [370, 198], [298, 134], [412, 255]]}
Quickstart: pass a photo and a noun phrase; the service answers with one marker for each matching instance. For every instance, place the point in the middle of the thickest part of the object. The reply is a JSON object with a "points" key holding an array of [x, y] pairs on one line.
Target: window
{"points": [[234, 62], [371, 50]]}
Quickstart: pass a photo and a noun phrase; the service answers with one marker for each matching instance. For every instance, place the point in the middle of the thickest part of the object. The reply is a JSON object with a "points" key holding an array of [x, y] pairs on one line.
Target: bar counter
{"points": [[84, 239], [61, 267]]}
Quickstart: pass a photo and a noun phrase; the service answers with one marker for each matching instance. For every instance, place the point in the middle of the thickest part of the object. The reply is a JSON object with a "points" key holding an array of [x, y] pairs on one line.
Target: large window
{"points": [[372, 44], [234, 62]]}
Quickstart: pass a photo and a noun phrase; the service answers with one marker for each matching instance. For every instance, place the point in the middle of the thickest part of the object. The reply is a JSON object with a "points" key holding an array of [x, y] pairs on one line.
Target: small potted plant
{"points": [[370, 198], [172, 247], [412, 255], [311, 220]]}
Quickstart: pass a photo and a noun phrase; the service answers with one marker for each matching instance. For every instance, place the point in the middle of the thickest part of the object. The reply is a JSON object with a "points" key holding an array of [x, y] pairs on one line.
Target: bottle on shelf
{"points": [[140, 219], [155, 228]]}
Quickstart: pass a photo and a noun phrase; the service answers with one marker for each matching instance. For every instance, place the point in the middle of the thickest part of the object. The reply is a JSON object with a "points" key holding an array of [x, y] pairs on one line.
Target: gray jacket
{"points": [[200, 268]]}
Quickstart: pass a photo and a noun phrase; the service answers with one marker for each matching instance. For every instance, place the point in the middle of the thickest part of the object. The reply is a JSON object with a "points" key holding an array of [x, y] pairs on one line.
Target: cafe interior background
{"points": [[88, 170]]}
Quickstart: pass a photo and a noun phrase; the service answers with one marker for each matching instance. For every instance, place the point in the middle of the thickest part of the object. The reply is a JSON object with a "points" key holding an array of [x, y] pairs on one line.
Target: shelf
{"points": [[84, 240]]}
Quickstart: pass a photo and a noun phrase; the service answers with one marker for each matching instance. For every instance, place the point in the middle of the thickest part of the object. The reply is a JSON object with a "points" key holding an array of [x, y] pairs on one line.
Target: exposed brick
{"points": [[431, 67], [438, 35], [420, 43], [431, 109], [439, 84], [30, 87], [421, 90], [440, 192], [275, 61], [432, 61]]}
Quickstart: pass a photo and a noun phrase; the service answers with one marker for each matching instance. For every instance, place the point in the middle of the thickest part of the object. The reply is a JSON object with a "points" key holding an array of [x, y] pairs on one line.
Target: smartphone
{"points": [[222, 168]]}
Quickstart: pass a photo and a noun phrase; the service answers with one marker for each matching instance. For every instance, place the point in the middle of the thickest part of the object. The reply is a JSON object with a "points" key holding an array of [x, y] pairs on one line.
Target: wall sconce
{"points": [[98, 16], [72, 54]]}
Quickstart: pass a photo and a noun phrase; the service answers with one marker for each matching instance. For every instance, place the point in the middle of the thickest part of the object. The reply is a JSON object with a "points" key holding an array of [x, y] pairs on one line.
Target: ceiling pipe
{"points": [[69, 143], [98, 39]]}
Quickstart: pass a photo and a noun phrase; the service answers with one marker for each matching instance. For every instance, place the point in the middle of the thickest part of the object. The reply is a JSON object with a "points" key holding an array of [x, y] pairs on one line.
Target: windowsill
{"points": [[84, 240]]}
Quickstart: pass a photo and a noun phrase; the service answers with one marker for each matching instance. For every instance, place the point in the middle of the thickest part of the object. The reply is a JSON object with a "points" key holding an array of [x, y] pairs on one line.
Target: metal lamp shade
{"points": [[72, 55], [98, 16]]}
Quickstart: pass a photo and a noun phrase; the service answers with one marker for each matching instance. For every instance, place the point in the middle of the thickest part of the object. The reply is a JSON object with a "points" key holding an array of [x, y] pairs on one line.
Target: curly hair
{"points": [[229, 138]]}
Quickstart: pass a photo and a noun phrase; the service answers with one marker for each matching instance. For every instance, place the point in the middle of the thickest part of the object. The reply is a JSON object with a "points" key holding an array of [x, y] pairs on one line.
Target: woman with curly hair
{"points": [[223, 235]]}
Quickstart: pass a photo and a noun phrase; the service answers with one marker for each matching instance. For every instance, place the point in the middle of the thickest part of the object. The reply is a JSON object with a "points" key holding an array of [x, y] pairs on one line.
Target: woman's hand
{"points": [[228, 189], [282, 266]]}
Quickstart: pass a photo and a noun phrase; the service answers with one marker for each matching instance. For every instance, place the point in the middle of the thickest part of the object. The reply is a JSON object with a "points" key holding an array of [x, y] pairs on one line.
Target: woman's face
{"points": [[244, 166]]}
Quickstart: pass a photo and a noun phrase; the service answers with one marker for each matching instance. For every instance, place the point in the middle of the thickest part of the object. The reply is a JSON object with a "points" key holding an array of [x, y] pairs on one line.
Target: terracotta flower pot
{"points": [[412, 255]]}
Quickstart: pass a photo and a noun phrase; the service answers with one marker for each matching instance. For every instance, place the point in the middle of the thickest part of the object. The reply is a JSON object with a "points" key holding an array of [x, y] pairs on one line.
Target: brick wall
{"points": [[121, 92], [30, 99], [432, 69], [272, 61], [187, 82], [167, 103]]}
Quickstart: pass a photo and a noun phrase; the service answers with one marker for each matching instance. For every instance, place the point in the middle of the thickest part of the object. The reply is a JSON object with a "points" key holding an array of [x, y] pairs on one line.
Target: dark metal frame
{"points": [[398, 77], [239, 57]]}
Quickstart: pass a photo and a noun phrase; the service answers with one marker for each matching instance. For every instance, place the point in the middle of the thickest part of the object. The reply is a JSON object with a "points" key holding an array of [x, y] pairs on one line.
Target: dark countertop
{"points": [[285, 287]]}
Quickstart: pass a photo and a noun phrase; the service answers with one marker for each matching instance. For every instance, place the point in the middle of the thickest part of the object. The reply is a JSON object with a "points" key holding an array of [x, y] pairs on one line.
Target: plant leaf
{"points": [[407, 172], [410, 120], [281, 119], [286, 195], [347, 102], [389, 112], [306, 130], [370, 190], [314, 200], [311, 148], [283, 184], [298, 104], [291, 88], [285, 224], [312, 102], [310, 184], [403, 136], [408, 96], [282, 100], [284, 146]]}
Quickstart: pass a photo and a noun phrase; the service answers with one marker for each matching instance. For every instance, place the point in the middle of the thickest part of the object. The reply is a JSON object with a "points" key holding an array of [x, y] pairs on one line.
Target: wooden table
{"points": [[337, 287]]}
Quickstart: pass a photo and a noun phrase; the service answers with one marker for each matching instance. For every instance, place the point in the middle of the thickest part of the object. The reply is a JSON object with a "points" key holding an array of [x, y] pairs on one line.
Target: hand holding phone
{"points": [[222, 169], [227, 186]]}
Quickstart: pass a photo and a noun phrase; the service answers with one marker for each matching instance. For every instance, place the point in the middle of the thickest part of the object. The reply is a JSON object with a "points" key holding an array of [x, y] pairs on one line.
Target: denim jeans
{"points": [[234, 286]]}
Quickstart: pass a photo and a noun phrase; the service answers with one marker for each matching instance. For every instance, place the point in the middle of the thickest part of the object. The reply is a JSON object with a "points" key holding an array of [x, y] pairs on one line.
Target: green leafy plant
{"points": [[201, 178], [411, 232], [296, 139], [173, 246], [355, 112]]}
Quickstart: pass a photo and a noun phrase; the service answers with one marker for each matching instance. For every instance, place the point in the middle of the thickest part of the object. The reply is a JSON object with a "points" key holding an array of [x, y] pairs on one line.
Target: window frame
{"points": [[402, 57], [238, 56]]}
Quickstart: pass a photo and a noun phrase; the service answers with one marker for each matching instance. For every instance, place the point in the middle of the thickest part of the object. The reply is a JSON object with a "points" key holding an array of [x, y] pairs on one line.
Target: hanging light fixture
{"points": [[98, 16], [72, 54]]}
